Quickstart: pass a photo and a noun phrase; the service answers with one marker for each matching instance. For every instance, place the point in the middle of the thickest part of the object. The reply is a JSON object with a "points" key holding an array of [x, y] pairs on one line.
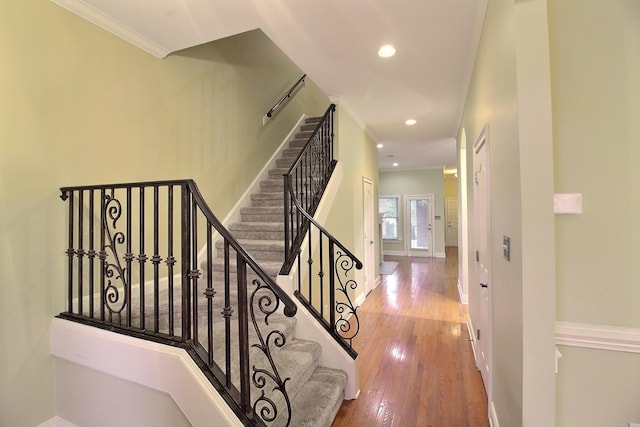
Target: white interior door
{"points": [[419, 225], [482, 308], [369, 235], [451, 235]]}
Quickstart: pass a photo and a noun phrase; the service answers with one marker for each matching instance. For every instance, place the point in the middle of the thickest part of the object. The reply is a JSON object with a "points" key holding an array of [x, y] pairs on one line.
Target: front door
{"points": [[451, 236], [419, 225]]}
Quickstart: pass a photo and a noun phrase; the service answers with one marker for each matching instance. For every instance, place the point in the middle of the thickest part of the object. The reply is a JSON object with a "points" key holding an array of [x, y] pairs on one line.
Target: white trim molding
{"points": [[116, 28], [613, 338], [105, 351], [464, 298], [57, 422], [493, 416]]}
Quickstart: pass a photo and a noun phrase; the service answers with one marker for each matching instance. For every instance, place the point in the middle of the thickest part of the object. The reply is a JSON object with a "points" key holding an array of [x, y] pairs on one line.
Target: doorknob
{"points": [[484, 285], [371, 242]]}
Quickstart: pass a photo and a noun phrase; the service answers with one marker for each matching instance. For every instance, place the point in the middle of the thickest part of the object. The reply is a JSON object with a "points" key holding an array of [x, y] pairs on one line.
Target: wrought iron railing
{"points": [[221, 309], [305, 183], [323, 284]]}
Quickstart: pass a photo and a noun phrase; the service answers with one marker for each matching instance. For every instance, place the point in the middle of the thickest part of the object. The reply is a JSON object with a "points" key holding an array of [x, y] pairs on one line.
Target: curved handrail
{"points": [[290, 306], [304, 185], [324, 231], [330, 110], [285, 96]]}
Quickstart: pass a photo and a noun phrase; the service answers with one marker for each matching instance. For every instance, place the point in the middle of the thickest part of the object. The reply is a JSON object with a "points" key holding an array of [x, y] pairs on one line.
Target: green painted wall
{"points": [[80, 106], [358, 153], [595, 69], [492, 100], [510, 94]]}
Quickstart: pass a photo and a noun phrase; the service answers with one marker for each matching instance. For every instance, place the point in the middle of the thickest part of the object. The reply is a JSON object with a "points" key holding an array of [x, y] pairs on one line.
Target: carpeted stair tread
{"points": [[258, 230], [266, 210], [268, 196], [318, 402], [277, 172], [255, 226]]}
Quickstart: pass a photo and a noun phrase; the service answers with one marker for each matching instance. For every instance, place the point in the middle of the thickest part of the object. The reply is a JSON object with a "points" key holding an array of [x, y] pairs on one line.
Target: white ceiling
{"points": [[336, 42]]}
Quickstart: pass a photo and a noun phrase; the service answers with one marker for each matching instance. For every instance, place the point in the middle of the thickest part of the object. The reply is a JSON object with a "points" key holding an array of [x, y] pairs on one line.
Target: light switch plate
{"points": [[567, 203]]}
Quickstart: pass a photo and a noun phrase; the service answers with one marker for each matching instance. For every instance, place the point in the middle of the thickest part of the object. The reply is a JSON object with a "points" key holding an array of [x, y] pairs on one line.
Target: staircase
{"points": [[316, 392]]}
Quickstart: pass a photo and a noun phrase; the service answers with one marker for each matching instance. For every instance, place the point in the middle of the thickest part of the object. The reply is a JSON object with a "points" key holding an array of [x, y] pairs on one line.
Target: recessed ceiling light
{"points": [[410, 122], [387, 51], [380, 145], [395, 164]]}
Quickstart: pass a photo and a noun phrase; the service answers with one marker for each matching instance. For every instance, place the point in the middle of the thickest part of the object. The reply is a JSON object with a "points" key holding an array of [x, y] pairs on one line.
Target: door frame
{"points": [[481, 289], [369, 235]]}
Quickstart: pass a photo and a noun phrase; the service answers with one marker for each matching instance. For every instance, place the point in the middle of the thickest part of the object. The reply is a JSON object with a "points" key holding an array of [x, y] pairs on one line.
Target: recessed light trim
{"points": [[380, 145], [386, 51], [410, 122]]}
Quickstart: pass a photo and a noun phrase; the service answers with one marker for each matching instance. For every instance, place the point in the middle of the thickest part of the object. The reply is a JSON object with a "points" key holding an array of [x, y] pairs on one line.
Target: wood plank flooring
{"points": [[416, 363]]}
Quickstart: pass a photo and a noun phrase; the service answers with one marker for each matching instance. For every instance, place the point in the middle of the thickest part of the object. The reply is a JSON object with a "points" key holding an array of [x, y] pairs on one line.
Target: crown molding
{"points": [[106, 22]]}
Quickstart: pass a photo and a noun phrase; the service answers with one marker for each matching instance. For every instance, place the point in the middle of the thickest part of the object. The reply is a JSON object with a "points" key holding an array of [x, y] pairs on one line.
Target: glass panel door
{"points": [[420, 225]]}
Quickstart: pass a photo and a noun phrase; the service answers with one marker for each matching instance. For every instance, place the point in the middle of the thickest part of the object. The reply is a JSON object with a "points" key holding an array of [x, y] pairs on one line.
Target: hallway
{"points": [[416, 364]]}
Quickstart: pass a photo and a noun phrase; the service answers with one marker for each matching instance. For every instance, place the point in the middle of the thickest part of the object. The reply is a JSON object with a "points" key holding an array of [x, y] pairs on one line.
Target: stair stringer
{"points": [[139, 361], [307, 327]]}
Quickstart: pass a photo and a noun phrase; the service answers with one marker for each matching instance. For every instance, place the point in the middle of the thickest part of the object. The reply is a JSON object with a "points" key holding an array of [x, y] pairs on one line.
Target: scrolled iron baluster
{"points": [[345, 309], [113, 270], [264, 406]]}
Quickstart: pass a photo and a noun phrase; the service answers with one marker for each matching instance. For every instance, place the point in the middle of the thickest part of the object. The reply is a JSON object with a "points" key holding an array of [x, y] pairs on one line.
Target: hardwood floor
{"points": [[416, 363]]}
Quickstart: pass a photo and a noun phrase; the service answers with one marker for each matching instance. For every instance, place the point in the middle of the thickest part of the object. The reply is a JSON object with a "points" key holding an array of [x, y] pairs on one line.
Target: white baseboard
{"points": [[393, 253], [57, 422], [493, 416], [613, 338], [472, 337], [360, 300], [401, 253], [464, 298]]}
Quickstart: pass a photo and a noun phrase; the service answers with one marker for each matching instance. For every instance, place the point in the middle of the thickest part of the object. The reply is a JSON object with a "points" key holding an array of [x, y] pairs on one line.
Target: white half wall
{"points": [[156, 366]]}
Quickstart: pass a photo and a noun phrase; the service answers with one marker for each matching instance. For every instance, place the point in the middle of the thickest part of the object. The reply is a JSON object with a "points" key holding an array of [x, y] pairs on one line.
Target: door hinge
{"points": [[478, 334], [477, 256]]}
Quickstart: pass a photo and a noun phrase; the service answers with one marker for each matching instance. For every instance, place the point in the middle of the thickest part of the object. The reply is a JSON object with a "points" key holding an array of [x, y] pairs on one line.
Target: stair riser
{"points": [[298, 143], [285, 162], [260, 255], [258, 197], [303, 135], [277, 173], [268, 203], [272, 186], [292, 152], [259, 235], [262, 217], [309, 127]]}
